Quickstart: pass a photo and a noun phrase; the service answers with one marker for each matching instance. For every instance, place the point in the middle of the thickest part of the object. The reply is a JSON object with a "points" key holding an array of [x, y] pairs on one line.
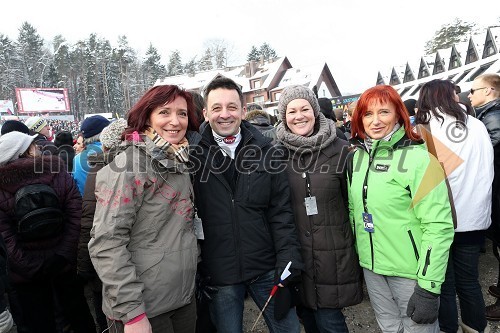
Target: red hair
{"points": [[139, 114], [382, 94]]}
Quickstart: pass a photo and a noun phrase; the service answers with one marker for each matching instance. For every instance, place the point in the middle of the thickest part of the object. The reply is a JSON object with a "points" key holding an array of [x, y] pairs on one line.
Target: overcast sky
{"points": [[355, 38]]}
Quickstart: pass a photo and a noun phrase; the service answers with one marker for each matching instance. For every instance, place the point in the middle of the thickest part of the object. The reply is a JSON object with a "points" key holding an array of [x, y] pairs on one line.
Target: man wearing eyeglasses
{"points": [[485, 98]]}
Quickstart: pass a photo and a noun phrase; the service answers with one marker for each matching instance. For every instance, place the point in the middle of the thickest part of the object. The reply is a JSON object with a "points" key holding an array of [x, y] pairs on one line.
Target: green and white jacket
{"points": [[407, 197]]}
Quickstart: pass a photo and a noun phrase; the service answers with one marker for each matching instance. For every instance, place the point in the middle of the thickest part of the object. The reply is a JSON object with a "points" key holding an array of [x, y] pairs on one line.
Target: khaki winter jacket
{"points": [[142, 242]]}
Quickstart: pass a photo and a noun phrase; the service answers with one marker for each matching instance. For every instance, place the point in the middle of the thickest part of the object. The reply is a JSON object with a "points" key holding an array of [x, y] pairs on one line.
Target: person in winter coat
{"points": [[485, 98], [461, 144], [65, 151], [260, 119], [91, 128], [400, 212], [143, 245], [331, 278], [110, 139], [44, 135], [41, 269], [243, 200]]}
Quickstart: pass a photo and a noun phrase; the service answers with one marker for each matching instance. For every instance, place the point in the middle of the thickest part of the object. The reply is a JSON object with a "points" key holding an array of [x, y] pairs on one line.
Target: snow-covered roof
{"points": [[307, 76], [495, 34], [462, 75], [198, 81]]}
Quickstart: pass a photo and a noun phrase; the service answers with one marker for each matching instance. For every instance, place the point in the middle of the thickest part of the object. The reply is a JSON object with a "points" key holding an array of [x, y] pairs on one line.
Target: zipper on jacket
{"points": [[427, 260], [417, 256], [237, 226], [373, 252]]}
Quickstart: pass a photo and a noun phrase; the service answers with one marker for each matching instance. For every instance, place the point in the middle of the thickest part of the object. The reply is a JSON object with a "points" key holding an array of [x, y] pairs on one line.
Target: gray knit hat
{"points": [[111, 135], [296, 92], [14, 144]]}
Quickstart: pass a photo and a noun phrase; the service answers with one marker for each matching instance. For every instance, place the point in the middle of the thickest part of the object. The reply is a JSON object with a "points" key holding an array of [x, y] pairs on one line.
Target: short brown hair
{"points": [[493, 80]]}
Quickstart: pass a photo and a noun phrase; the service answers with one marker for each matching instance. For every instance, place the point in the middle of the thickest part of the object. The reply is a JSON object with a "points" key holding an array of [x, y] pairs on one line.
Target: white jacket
{"points": [[467, 156]]}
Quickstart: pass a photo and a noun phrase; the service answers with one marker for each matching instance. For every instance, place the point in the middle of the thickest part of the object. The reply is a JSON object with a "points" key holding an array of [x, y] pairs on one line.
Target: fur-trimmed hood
{"points": [[26, 170]]}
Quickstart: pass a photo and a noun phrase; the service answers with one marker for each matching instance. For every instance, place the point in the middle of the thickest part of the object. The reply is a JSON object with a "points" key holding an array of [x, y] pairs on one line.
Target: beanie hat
{"points": [[14, 144], [111, 135], [14, 125], [93, 125], [296, 92], [36, 123]]}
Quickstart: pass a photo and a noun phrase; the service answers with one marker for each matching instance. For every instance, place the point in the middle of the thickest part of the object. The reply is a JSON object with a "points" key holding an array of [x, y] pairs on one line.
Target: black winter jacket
{"points": [[489, 114], [249, 230]]}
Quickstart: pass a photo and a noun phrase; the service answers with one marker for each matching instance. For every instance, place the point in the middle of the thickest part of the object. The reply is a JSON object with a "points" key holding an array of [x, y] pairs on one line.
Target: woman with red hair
{"points": [[143, 245], [400, 213]]}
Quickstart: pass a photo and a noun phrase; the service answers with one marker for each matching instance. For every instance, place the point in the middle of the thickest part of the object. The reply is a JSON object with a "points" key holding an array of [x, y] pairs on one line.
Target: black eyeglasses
{"points": [[472, 91]]}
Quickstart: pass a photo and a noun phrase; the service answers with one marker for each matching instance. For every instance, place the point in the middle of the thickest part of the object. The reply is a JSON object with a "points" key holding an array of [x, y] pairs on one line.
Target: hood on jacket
{"points": [[18, 171], [258, 117]]}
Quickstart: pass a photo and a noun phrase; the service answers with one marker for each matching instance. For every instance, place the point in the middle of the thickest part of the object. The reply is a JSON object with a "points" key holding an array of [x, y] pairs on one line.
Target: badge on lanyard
{"points": [[311, 207], [368, 222], [198, 228]]}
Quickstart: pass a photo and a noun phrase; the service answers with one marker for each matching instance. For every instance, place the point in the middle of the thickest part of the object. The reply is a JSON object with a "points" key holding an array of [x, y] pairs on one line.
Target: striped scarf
{"points": [[178, 153]]}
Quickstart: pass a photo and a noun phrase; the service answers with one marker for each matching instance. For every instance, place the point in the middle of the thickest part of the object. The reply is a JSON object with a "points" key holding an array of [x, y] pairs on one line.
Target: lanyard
{"points": [[305, 175], [365, 182]]}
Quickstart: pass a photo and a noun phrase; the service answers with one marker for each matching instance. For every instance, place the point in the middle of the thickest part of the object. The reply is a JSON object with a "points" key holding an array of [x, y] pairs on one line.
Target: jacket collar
{"points": [[398, 140], [482, 110], [250, 135]]}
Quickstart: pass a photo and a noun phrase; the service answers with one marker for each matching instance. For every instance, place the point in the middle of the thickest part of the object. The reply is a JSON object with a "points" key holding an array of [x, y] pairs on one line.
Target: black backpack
{"points": [[38, 212]]}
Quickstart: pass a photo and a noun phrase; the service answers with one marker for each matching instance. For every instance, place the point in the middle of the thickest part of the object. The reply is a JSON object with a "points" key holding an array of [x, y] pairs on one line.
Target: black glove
{"points": [[204, 292], [54, 265], [282, 302], [423, 306], [283, 298]]}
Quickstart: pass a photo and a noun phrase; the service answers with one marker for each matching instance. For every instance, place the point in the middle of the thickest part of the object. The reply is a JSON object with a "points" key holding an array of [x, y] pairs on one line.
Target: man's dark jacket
{"points": [[489, 114], [248, 226]]}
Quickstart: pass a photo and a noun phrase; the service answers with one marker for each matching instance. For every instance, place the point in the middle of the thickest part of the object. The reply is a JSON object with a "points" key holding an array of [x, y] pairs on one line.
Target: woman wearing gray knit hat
{"points": [[41, 267], [319, 198]]}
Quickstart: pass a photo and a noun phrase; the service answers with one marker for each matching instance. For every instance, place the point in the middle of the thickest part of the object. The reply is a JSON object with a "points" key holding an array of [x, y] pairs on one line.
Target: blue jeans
{"points": [[226, 307], [462, 279], [323, 320]]}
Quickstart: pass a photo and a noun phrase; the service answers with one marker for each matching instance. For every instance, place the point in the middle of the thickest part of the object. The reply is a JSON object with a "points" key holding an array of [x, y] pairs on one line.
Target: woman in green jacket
{"points": [[400, 212]]}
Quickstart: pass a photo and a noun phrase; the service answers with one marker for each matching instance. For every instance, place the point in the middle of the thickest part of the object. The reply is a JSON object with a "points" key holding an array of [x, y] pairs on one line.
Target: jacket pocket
{"points": [[427, 260], [258, 187], [412, 240], [145, 261]]}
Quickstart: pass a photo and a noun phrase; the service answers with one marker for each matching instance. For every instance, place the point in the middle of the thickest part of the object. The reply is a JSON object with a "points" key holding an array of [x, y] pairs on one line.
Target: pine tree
{"points": [[254, 54], [152, 68], [267, 51], [31, 56], [205, 63], [7, 71], [220, 57], [174, 66], [450, 34], [190, 67]]}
